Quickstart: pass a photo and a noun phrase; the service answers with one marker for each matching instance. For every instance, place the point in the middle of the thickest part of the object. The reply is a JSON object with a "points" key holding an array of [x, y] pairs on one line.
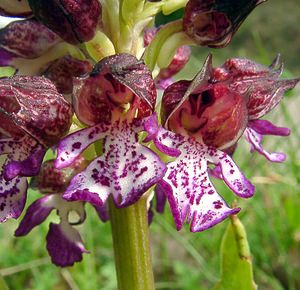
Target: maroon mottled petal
{"points": [[36, 213], [47, 120], [126, 170], [243, 68], [62, 71], [14, 8], [255, 140], [73, 20], [267, 95], [261, 85], [205, 110], [12, 197], [27, 38], [214, 22], [115, 81], [64, 245]]}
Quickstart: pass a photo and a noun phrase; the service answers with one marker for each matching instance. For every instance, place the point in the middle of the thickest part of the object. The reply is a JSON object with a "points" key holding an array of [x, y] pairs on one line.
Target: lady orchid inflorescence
{"points": [[85, 86]]}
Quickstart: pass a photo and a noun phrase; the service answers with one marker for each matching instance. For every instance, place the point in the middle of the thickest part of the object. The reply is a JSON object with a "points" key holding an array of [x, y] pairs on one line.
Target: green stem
{"points": [[131, 246]]}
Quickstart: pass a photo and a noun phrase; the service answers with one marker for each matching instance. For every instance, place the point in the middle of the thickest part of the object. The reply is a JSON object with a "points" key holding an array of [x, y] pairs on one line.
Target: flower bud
{"points": [[74, 21], [53, 180], [27, 38], [214, 22], [32, 106], [62, 71]]}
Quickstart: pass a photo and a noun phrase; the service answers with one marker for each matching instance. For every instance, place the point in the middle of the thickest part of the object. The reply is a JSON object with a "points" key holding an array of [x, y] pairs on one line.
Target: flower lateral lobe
{"points": [[254, 135], [214, 22], [119, 84]]}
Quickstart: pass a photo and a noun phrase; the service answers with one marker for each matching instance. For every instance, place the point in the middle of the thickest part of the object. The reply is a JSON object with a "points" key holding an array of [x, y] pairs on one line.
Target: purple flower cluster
{"points": [[74, 105]]}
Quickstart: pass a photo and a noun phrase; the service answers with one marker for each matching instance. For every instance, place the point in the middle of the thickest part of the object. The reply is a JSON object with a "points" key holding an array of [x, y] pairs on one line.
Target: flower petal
{"points": [[27, 38], [214, 23], [231, 174], [160, 199], [265, 127], [64, 245], [126, 170], [74, 21], [12, 197], [62, 71], [191, 195], [46, 121], [266, 95], [72, 145], [102, 211], [24, 157], [119, 83], [36, 213], [255, 140], [6, 57]]}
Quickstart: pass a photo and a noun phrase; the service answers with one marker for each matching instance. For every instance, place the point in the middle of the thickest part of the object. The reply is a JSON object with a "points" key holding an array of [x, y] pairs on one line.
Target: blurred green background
{"points": [[182, 260]]}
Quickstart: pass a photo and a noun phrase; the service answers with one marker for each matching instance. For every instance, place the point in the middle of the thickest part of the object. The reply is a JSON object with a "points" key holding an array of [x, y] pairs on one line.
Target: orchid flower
{"points": [[28, 128], [96, 67], [113, 101], [200, 118], [64, 243]]}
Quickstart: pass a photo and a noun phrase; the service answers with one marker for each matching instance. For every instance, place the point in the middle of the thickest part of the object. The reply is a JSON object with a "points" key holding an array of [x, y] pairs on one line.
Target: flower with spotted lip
{"points": [[115, 100], [199, 118], [64, 243], [28, 128]]}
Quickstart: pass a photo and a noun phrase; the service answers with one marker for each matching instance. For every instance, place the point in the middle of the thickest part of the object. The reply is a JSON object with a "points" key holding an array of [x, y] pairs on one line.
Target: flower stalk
{"points": [[131, 246]]}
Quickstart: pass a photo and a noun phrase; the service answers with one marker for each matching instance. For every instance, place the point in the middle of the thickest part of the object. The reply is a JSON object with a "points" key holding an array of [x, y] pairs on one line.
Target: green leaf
{"points": [[3, 285], [236, 266]]}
